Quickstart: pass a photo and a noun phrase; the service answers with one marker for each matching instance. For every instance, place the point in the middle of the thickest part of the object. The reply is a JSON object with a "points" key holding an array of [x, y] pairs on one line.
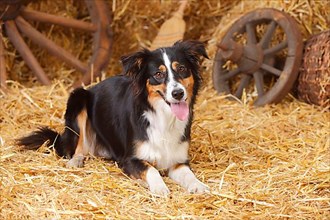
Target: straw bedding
{"points": [[270, 162]]}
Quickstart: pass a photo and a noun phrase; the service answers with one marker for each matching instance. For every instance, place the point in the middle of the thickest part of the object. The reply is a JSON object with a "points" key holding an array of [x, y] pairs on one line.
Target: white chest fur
{"points": [[164, 146]]}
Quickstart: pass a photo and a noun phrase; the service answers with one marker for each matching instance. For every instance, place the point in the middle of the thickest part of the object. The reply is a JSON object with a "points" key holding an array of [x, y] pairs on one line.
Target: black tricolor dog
{"points": [[140, 119]]}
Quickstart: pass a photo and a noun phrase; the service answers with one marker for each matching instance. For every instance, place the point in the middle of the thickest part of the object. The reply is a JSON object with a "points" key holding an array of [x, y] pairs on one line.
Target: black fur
{"points": [[39, 137]]}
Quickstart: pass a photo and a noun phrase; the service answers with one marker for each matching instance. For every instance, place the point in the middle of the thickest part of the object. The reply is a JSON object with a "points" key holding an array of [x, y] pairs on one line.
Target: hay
{"points": [[269, 162]]}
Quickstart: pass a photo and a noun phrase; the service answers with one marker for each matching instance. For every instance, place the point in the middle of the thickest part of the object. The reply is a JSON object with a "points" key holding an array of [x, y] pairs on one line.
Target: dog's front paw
{"points": [[155, 182], [197, 186], [159, 189], [186, 178]]}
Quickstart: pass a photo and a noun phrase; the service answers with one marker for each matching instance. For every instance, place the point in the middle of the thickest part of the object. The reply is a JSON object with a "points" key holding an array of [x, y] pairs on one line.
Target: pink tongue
{"points": [[180, 110]]}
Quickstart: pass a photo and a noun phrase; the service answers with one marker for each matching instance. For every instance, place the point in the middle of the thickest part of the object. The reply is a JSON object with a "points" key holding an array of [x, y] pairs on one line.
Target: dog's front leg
{"points": [[140, 169], [182, 174]]}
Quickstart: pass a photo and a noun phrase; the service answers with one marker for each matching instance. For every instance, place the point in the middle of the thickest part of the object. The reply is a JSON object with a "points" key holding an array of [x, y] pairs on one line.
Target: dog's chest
{"points": [[164, 146]]}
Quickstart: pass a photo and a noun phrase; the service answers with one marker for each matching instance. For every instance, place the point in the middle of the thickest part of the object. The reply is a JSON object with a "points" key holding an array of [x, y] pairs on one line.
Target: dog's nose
{"points": [[178, 94]]}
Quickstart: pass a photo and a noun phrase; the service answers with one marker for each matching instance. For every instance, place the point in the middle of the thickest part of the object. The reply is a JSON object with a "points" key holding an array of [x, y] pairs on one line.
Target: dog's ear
{"points": [[134, 63], [134, 66], [194, 49]]}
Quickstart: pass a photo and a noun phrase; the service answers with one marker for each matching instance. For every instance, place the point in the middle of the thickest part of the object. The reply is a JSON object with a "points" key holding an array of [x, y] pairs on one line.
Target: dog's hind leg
{"points": [[82, 148]]}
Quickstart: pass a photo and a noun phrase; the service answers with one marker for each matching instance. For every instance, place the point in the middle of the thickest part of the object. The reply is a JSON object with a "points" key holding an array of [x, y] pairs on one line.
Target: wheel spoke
{"points": [[275, 49], [24, 50], [103, 46], [271, 69], [49, 45], [230, 74], [265, 40], [58, 20], [251, 34], [259, 81], [243, 84]]}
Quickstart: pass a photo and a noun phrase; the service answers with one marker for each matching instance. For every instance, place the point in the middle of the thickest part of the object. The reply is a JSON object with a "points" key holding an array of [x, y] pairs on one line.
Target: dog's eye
{"points": [[159, 75], [182, 69]]}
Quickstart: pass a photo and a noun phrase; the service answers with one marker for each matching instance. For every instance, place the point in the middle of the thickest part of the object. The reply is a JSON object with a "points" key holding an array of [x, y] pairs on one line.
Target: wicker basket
{"points": [[313, 84]]}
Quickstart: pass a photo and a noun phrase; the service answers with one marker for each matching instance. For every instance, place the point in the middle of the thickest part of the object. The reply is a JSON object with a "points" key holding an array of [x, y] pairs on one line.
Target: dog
{"points": [[141, 118]]}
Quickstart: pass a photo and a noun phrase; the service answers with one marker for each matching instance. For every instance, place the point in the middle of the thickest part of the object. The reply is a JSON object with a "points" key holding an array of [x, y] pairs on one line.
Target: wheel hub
{"points": [[10, 9], [248, 57]]}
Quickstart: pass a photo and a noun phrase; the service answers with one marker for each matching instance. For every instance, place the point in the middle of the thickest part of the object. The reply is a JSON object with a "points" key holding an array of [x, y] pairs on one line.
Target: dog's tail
{"points": [[65, 143], [39, 137]]}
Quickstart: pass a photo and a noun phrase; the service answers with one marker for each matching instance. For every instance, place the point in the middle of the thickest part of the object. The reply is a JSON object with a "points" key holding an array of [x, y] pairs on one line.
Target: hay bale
{"points": [[313, 84]]}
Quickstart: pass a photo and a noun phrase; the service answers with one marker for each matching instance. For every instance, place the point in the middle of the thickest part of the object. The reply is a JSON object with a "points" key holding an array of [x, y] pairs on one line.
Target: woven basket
{"points": [[313, 84]]}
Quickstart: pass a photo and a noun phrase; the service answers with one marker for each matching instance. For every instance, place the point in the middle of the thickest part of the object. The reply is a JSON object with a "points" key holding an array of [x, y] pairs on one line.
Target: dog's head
{"points": [[169, 75]]}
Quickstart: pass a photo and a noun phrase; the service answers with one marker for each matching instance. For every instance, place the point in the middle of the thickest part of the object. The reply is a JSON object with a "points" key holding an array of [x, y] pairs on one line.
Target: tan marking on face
{"points": [[162, 68], [153, 94], [188, 83], [175, 65]]}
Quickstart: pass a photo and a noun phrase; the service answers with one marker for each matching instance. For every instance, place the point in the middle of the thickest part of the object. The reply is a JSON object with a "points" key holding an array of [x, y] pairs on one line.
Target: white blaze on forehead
{"points": [[171, 83], [167, 63]]}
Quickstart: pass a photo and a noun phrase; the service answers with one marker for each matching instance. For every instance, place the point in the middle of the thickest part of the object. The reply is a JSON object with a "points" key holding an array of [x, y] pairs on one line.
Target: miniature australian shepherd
{"points": [[141, 119]]}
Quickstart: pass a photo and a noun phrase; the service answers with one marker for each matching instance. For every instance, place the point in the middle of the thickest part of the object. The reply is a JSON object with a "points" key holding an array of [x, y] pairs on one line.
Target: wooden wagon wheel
{"points": [[250, 50], [15, 16]]}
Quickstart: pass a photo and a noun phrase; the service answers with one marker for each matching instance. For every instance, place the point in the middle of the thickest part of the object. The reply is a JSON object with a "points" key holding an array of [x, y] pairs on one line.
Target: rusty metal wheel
{"points": [[265, 47], [15, 18]]}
